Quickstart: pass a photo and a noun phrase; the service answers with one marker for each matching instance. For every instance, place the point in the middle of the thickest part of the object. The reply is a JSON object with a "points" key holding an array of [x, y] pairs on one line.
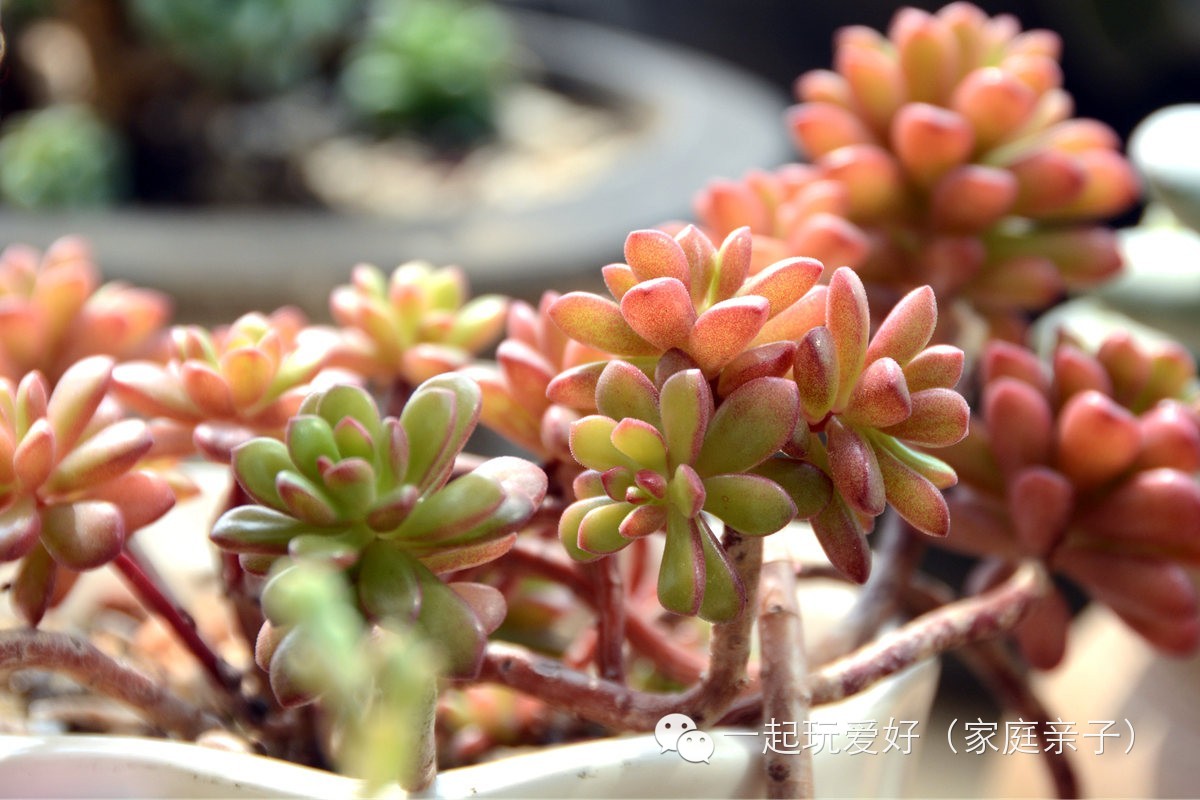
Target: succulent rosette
{"points": [[953, 139], [668, 459], [869, 406], [375, 497], [69, 493], [54, 312], [228, 385], [413, 325], [681, 294], [533, 353], [1091, 465]]}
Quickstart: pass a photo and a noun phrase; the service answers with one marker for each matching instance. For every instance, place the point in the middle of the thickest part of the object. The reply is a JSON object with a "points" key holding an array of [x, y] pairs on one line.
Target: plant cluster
{"points": [[730, 388], [88, 84]]}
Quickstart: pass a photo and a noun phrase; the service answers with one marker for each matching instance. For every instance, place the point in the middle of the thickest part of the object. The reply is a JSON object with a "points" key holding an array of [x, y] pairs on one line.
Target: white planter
{"points": [[119, 766]]}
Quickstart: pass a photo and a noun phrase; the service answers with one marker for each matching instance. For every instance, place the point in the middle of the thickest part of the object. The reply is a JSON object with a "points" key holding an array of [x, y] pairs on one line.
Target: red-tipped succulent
{"points": [[514, 389], [867, 405], [1091, 466], [794, 210], [698, 303], [54, 312], [665, 458], [243, 380], [953, 141], [413, 325], [69, 493]]}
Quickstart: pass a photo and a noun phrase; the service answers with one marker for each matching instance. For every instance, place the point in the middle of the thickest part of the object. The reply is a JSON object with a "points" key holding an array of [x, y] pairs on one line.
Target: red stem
{"points": [[955, 625], [148, 593], [610, 618]]}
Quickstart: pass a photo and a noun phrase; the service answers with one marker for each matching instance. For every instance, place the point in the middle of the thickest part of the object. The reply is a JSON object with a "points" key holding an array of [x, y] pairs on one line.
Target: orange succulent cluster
{"points": [[534, 352], [69, 491], [1091, 466], [411, 325], [684, 306], [948, 148], [228, 385], [54, 312]]}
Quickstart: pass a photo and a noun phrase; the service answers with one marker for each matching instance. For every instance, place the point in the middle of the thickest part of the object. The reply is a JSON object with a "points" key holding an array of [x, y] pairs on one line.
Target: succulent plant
{"points": [[953, 140], [869, 405], [378, 684], [686, 304], [1089, 465], [53, 312], [514, 389], [433, 66], [794, 210], [682, 295], [59, 157], [662, 458], [251, 45], [69, 493], [412, 325], [228, 385], [374, 497]]}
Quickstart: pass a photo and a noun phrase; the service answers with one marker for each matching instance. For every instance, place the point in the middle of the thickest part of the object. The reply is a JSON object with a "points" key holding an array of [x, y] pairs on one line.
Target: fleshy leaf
{"points": [[724, 331], [687, 400], [660, 311], [816, 372], [83, 535], [624, 391], [256, 529], [724, 595], [256, 463], [641, 443], [599, 531], [855, 469], [458, 506], [751, 425], [598, 323], [843, 540], [907, 328], [751, 504], [682, 575]]}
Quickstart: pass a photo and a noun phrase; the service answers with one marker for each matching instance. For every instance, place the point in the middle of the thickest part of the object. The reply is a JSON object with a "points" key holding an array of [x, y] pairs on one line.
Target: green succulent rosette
{"points": [[668, 459], [375, 498]]}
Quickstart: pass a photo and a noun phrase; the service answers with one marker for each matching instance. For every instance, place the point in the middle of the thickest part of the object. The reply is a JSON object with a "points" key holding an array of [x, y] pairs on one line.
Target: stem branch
{"points": [[784, 668], [996, 668], [616, 706], [93, 669], [954, 625], [610, 618]]}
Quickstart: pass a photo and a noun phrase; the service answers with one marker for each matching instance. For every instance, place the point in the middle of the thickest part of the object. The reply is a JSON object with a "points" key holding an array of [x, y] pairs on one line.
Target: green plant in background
{"points": [[433, 66], [257, 46], [60, 157]]}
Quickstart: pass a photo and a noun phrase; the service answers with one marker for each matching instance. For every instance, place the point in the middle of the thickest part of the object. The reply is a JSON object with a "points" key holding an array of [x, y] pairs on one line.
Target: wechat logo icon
{"points": [[678, 732]]}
